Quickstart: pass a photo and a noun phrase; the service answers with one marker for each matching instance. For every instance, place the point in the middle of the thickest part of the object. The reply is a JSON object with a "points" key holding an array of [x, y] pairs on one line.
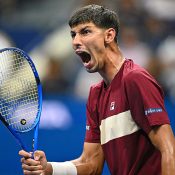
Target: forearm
{"points": [[89, 163], [48, 170], [83, 167], [168, 163]]}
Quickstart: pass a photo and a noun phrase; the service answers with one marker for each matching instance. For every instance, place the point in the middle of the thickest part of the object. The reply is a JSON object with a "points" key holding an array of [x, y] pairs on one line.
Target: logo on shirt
{"points": [[87, 127], [112, 106], [153, 110]]}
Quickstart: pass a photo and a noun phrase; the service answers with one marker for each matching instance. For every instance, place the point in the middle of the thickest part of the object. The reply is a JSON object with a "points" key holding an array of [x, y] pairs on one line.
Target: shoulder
{"points": [[136, 73], [95, 89], [136, 76]]}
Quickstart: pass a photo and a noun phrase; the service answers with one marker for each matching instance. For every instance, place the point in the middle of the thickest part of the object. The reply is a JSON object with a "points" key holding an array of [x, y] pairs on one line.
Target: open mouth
{"points": [[85, 57]]}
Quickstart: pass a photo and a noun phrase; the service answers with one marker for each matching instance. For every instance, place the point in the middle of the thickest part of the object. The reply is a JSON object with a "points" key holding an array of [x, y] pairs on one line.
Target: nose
{"points": [[76, 42]]}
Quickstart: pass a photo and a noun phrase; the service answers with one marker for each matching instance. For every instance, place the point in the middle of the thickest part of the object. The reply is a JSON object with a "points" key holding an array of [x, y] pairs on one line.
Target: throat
{"points": [[110, 72]]}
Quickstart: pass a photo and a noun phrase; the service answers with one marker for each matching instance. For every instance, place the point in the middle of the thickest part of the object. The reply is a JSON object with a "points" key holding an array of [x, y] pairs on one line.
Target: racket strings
{"points": [[31, 110], [23, 110], [24, 107], [18, 95], [31, 113], [7, 91], [18, 91]]}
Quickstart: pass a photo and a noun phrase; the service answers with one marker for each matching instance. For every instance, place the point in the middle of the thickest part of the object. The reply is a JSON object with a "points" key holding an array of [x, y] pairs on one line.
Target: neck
{"points": [[114, 61]]}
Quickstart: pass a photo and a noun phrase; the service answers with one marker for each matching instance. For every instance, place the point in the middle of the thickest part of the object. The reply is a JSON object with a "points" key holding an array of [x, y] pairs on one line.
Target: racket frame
{"points": [[37, 121]]}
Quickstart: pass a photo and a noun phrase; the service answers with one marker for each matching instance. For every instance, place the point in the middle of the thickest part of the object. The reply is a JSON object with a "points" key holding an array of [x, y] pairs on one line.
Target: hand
{"points": [[36, 165]]}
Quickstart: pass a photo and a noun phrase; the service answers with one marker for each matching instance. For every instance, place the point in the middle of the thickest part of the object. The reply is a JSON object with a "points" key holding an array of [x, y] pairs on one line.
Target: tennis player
{"points": [[127, 124]]}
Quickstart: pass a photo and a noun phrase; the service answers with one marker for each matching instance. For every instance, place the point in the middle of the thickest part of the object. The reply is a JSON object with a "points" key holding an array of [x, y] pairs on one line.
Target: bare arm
{"points": [[89, 163], [163, 139]]}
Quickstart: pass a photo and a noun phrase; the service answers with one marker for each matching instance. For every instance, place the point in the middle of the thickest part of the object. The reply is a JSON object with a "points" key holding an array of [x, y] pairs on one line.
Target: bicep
{"points": [[92, 159], [162, 138]]}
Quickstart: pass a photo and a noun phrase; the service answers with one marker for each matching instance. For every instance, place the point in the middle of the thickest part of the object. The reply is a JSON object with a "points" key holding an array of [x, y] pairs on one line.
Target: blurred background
{"points": [[39, 27]]}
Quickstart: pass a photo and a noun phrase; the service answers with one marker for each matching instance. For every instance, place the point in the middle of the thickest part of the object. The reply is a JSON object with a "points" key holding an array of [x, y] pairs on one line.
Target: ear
{"points": [[109, 35]]}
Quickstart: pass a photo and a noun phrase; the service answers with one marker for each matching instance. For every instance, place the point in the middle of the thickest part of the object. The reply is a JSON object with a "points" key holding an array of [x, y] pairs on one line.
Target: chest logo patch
{"points": [[112, 106]]}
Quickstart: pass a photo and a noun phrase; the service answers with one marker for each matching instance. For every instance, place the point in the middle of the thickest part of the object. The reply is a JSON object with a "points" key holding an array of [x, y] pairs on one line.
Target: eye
{"points": [[73, 34], [85, 31]]}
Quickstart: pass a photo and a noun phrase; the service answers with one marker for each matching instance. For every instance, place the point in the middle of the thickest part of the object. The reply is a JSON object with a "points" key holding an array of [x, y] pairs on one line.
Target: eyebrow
{"points": [[83, 28]]}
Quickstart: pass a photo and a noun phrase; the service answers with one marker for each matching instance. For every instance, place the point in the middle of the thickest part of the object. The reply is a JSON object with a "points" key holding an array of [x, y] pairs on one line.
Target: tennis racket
{"points": [[20, 95]]}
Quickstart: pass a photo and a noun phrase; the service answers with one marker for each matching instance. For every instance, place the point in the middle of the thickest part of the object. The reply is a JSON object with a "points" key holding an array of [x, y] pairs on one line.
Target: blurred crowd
{"points": [[147, 35]]}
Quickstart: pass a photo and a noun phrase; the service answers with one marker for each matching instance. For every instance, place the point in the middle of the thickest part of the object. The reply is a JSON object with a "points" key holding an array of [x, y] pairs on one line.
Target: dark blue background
{"points": [[59, 145]]}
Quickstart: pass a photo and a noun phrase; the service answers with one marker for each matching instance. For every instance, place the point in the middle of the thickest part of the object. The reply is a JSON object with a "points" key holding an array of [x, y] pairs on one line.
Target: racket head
{"points": [[20, 91]]}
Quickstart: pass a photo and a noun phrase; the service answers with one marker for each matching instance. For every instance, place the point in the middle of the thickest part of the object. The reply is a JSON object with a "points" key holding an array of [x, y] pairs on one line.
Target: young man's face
{"points": [[88, 42]]}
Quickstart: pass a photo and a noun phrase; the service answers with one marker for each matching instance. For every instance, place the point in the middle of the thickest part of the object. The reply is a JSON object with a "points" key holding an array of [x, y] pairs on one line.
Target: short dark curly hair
{"points": [[99, 15]]}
